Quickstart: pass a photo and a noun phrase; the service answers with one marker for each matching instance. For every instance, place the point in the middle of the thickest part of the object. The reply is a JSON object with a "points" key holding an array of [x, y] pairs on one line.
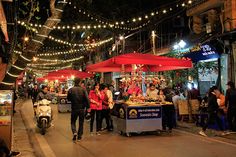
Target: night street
{"points": [[58, 142], [150, 78]]}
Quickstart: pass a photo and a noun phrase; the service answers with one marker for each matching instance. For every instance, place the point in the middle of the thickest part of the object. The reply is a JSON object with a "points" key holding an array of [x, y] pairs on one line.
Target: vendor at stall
{"points": [[152, 92], [134, 89], [161, 96]]}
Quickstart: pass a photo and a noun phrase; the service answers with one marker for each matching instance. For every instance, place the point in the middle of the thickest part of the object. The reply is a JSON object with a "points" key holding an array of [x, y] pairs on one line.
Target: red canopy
{"points": [[62, 75], [149, 62], [51, 78], [69, 73]]}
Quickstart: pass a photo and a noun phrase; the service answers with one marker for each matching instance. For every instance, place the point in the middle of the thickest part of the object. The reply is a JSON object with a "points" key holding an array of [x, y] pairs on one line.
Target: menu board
{"points": [[6, 100]]}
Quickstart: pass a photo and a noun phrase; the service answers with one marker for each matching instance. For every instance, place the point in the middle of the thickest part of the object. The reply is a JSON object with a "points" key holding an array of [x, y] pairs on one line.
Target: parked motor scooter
{"points": [[43, 114]]}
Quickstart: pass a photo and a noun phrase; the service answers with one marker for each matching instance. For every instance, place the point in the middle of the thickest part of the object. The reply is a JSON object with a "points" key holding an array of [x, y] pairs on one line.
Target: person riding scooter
{"points": [[43, 111], [44, 94]]}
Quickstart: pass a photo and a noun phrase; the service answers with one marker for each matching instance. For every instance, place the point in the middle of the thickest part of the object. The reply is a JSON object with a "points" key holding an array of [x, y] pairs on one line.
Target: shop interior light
{"points": [[176, 46], [182, 44]]}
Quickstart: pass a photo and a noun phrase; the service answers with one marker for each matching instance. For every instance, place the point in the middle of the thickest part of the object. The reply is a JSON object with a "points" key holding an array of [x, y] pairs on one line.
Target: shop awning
{"points": [[148, 62]]}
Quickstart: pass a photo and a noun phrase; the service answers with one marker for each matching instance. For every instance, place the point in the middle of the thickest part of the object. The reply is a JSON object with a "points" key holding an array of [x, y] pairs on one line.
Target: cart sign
{"points": [[144, 112]]}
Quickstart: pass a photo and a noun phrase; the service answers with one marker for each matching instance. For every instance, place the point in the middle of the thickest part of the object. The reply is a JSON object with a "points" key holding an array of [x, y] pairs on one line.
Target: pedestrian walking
{"points": [[230, 103], [212, 110], [107, 104], [96, 97], [79, 101]]}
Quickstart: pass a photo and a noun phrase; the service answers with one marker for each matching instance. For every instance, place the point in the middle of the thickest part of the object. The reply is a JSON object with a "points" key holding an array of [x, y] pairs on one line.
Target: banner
{"points": [[152, 112]]}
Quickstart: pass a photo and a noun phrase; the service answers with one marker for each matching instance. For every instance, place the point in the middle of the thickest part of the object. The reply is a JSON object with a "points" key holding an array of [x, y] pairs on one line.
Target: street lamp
{"points": [[26, 38], [122, 39]]}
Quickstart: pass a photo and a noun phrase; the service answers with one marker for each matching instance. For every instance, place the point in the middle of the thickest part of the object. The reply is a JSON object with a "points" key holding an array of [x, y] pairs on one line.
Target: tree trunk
{"points": [[32, 47]]}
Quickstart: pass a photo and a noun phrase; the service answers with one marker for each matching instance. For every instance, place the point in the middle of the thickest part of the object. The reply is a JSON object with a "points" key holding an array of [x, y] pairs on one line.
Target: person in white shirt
{"points": [[152, 92], [175, 100]]}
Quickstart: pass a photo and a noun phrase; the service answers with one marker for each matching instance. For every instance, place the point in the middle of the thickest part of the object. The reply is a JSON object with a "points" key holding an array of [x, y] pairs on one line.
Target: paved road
{"points": [[58, 142]]}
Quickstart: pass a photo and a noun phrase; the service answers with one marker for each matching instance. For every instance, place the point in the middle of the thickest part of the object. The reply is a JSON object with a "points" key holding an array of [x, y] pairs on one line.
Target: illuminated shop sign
{"points": [[202, 52]]}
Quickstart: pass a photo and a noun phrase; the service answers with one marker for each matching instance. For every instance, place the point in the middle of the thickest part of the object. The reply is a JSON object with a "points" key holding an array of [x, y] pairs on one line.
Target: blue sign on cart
{"points": [[144, 112]]}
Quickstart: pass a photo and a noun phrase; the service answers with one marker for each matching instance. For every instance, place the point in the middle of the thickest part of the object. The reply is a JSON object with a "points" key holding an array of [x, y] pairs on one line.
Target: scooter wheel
{"points": [[44, 126]]}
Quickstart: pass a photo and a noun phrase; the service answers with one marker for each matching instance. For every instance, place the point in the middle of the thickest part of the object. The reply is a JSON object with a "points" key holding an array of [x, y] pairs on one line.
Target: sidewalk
{"points": [[21, 140], [192, 128]]}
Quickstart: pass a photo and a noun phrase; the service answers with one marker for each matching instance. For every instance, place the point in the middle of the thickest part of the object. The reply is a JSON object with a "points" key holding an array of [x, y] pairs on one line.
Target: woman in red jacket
{"points": [[96, 97]]}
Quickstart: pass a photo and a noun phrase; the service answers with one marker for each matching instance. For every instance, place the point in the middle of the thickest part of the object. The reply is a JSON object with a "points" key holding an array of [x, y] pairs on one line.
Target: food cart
{"points": [[63, 104], [135, 117]]}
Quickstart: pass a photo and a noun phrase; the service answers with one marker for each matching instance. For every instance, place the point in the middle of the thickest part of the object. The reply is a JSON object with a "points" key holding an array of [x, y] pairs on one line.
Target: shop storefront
{"points": [[216, 70]]}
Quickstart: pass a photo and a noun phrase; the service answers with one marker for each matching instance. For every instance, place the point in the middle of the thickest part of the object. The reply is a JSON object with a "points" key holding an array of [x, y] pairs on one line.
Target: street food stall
{"points": [[65, 77], [137, 113]]}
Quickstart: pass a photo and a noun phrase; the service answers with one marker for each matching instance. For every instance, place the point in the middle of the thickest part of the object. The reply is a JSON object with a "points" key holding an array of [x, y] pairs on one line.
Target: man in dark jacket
{"points": [[43, 94], [230, 103], [79, 101], [212, 110]]}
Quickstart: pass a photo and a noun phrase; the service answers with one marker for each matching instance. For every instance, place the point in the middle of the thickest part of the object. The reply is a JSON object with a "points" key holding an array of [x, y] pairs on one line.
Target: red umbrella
{"points": [[70, 73], [51, 78], [147, 62]]}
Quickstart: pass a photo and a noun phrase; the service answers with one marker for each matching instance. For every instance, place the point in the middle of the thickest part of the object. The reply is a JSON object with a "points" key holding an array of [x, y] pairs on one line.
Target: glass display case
{"points": [[6, 105], [6, 101]]}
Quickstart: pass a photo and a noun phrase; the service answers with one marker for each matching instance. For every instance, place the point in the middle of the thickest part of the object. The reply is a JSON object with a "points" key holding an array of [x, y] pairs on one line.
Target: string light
{"points": [[29, 26], [45, 64], [80, 45], [17, 52], [63, 61], [19, 68], [26, 59], [61, 52], [134, 19], [105, 23], [12, 75], [7, 83], [50, 68]]}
